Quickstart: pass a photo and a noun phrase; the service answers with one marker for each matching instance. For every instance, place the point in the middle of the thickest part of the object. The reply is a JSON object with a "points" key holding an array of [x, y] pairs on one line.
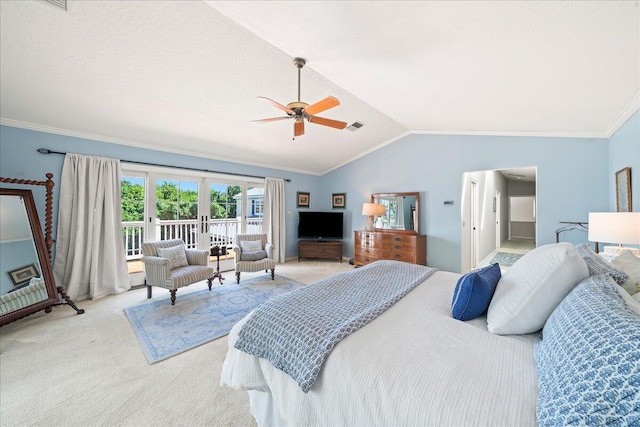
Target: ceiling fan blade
{"points": [[325, 104], [277, 105], [328, 122], [298, 128], [273, 119]]}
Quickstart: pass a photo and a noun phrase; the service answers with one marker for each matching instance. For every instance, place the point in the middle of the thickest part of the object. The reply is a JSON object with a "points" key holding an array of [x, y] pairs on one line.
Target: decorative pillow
{"points": [[588, 361], [251, 245], [628, 263], [176, 255], [252, 255], [533, 287], [598, 265], [474, 291]]}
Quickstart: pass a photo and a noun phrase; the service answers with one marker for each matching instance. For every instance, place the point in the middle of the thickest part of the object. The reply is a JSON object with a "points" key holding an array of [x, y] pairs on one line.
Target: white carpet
{"points": [[63, 369]]}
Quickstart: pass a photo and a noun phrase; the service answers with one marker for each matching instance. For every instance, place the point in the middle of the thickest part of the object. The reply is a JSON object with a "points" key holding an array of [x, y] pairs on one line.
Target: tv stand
{"points": [[319, 249]]}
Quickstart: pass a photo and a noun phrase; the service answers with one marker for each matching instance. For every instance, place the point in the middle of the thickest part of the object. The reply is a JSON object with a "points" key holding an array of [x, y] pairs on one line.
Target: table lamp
{"points": [[370, 210], [614, 227]]}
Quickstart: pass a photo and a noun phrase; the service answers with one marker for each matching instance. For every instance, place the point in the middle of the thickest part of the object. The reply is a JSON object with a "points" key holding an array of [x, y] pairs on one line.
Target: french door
{"points": [[202, 211]]}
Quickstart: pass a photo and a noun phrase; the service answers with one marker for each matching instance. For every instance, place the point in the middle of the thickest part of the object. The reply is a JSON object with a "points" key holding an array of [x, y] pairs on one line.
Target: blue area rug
{"points": [[505, 258], [165, 330]]}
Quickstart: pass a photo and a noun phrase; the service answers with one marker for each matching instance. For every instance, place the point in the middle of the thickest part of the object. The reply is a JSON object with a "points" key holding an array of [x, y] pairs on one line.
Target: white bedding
{"points": [[413, 365]]}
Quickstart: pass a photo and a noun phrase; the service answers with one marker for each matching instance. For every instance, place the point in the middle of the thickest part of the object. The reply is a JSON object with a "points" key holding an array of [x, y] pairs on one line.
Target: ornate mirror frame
{"points": [[415, 217], [44, 258]]}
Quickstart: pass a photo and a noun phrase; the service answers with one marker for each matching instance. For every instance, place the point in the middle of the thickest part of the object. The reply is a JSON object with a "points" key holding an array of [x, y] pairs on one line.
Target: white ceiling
{"points": [[182, 76]]}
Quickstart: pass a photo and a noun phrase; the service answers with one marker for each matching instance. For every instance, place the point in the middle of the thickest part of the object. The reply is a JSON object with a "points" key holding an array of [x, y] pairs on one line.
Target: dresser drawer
{"points": [[364, 259], [367, 239], [401, 256]]}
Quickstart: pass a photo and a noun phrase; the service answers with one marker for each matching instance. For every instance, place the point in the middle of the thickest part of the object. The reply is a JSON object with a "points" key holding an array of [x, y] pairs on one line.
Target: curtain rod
{"points": [[47, 151]]}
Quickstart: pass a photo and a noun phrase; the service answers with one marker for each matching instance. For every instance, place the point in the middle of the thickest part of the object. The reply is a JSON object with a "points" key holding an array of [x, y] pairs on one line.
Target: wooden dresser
{"points": [[369, 246]]}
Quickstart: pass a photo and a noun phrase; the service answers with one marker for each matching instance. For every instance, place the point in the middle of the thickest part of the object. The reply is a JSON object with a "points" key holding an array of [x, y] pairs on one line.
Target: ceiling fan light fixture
{"points": [[299, 111]]}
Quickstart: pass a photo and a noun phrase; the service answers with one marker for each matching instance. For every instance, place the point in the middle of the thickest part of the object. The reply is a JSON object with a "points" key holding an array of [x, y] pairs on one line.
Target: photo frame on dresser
{"points": [[623, 190]]}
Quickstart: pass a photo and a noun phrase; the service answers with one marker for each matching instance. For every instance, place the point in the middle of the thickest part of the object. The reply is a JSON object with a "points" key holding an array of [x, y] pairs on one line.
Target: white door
{"points": [[496, 209], [473, 206]]}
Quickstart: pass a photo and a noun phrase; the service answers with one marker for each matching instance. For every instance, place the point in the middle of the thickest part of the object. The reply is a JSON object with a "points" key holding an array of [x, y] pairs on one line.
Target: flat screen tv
{"points": [[319, 225]]}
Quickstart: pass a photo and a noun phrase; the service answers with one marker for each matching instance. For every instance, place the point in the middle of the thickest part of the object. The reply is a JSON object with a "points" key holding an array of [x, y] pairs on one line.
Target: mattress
{"points": [[413, 365]]}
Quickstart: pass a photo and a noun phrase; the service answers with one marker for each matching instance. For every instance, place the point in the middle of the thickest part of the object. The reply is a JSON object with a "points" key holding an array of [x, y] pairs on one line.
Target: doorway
{"points": [[489, 232], [202, 210]]}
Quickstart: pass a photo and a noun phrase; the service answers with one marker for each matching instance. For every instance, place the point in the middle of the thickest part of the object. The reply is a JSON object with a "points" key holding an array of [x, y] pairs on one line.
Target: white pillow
{"points": [[630, 264], [251, 245], [176, 256], [632, 302], [533, 287]]}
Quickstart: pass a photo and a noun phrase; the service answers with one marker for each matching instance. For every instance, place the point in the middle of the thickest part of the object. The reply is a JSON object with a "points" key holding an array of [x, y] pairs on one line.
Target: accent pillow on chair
{"points": [[473, 292], [251, 245], [253, 255], [532, 288], [176, 255]]}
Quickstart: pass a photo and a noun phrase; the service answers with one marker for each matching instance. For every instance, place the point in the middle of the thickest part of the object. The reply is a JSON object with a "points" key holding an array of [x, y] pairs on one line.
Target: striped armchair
{"points": [[248, 264], [159, 273]]}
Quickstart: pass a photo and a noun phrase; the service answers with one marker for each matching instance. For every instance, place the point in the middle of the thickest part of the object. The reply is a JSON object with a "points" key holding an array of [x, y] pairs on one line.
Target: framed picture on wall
{"points": [[339, 200], [23, 274], [623, 190], [304, 199]]}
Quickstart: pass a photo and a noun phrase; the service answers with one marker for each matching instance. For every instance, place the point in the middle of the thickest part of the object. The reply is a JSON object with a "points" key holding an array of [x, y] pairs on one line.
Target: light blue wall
{"points": [[19, 159], [574, 177], [624, 150], [14, 255], [572, 180]]}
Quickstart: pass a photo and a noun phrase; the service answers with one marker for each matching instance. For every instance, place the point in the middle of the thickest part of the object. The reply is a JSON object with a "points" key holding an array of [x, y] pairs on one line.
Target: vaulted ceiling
{"points": [[183, 76]]}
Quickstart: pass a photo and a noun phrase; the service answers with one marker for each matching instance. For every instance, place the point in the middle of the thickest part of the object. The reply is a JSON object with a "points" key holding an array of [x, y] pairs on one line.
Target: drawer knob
{"points": [[397, 255], [398, 247], [398, 239]]}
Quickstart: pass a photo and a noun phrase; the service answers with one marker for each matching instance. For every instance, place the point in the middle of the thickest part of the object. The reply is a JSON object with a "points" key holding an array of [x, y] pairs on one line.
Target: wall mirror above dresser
{"points": [[401, 212]]}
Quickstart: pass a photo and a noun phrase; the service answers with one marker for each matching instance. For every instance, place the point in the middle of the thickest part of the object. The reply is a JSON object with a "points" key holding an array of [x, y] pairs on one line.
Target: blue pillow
{"points": [[474, 291], [589, 359]]}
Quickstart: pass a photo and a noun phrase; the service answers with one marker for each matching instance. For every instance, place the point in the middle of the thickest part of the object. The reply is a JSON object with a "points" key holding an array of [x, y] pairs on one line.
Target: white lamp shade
{"points": [[369, 209], [615, 227]]}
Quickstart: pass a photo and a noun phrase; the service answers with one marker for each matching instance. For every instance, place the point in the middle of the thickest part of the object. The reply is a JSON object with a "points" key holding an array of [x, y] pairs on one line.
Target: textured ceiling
{"points": [[182, 76]]}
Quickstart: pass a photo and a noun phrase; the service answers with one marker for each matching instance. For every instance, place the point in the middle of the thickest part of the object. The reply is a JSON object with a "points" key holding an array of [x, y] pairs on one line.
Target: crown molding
{"points": [[623, 116], [512, 133]]}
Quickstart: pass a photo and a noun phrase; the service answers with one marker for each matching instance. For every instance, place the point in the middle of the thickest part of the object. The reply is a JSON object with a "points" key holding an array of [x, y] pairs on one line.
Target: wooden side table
{"points": [[216, 251]]}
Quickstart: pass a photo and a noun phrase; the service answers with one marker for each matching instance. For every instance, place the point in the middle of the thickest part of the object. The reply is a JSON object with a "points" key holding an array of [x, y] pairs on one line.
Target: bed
{"points": [[414, 365]]}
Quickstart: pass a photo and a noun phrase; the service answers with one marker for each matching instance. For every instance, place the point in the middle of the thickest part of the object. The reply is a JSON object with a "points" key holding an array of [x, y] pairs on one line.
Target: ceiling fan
{"points": [[299, 111]]}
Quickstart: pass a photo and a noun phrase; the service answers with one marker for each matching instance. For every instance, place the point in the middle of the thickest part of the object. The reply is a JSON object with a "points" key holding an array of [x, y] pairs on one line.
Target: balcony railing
{"points": [[222, 232]]}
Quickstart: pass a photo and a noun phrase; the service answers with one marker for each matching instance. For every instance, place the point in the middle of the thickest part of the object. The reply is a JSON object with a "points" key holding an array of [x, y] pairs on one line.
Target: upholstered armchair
{"points": [[253, 253], [169, 265]]}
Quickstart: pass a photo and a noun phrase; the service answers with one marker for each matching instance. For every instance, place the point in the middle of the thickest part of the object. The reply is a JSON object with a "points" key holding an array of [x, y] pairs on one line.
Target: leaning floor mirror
{"points": [[26, 282]]}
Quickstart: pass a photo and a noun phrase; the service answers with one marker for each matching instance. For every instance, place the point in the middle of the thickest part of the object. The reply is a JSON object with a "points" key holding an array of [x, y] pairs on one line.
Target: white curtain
{"points": [[400, 211], [273, 221], [90, 260]]}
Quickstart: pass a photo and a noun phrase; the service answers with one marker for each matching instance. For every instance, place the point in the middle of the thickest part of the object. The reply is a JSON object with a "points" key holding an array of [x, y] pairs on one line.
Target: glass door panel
{"points": [[224, 220], [176, 215], [133, 196]]}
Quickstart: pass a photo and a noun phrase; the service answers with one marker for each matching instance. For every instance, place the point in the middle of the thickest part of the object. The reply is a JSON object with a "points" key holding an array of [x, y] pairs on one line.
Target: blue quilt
{"points": [[297, 330]]}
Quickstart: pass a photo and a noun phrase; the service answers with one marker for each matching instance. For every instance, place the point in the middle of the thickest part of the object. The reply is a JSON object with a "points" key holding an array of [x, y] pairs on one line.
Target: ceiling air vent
{"points": [[61, 3], [355, 126]]}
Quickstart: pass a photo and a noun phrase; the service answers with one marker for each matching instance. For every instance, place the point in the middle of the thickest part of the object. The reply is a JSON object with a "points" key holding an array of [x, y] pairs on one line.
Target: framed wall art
{"points": [[339, 200], [623, 190], [303, 199], [23, 274]]}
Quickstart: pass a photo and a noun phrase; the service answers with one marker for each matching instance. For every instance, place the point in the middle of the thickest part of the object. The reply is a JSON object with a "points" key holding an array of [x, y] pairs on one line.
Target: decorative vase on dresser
{"points": [[370, 246]]}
